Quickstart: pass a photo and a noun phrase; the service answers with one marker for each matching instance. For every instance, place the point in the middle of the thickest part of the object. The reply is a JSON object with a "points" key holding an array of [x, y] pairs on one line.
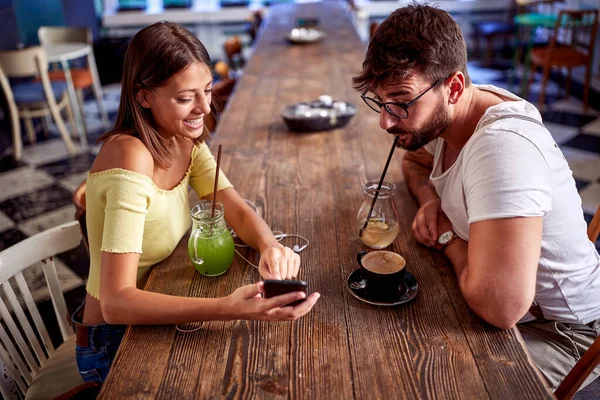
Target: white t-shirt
{"points": [[512, 167]]}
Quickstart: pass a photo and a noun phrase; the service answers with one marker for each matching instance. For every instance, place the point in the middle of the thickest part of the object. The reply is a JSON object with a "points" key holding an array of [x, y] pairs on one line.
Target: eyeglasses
{"points": [[398, 110]]}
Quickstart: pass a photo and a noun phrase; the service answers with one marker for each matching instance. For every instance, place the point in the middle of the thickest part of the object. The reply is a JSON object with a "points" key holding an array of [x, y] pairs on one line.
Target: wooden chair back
{"points": [[547, 7], [594, 227], [580, 372], [575, 29], [591, 358], [62, 34], [28, 347]]}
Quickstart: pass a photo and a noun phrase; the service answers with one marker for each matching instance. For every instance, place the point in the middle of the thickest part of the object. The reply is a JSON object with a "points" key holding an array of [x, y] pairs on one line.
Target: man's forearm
{"points": [[418, 182], [457, 254]]}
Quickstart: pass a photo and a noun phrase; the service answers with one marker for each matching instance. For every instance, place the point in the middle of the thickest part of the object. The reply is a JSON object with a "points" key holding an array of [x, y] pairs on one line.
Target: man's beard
{"points": [[438, 124]]}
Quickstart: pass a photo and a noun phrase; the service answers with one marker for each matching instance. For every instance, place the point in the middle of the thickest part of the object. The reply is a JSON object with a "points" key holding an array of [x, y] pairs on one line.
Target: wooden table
{"points": [[311, 184]]}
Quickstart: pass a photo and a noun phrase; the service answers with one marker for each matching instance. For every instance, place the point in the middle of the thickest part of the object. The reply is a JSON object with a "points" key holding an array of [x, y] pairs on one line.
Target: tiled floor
{"points": [[36, 193]]}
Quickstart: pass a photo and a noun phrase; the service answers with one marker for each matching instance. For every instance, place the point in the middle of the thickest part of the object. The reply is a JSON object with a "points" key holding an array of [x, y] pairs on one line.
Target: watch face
{"points": [[445, 237]]}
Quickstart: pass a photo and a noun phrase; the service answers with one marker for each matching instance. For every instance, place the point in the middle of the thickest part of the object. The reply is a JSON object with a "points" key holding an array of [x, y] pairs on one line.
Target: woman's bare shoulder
{"points": [[125, 152]]}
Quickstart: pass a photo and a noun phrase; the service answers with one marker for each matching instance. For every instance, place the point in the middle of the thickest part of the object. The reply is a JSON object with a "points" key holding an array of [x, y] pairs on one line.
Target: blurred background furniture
{"points": [[233, 51], [372, 28], [40, 370], [221, 92], [533, 26], [505, 28], [222, 70], [489, 30], [63, 44], [571, 45], [30, 99], [253, 25]]}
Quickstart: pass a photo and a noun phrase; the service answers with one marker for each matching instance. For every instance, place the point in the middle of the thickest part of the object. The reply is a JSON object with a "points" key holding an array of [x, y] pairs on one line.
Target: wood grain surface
{"points": [[311, 184]]}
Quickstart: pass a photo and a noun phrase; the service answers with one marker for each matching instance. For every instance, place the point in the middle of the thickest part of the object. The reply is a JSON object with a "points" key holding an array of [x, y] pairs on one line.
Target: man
{"points": [[496, 194]]}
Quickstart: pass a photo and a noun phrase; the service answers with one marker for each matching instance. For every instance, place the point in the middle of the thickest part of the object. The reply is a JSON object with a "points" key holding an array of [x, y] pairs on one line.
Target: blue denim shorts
{"points": [[96, 347]]}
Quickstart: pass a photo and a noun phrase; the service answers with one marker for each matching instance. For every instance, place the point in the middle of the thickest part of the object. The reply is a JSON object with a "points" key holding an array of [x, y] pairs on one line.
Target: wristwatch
{"points": [[446, 238]]}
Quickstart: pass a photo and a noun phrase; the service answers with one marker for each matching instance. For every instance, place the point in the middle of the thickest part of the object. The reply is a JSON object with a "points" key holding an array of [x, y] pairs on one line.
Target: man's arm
{"points": [[417, 167], [496, 269]]}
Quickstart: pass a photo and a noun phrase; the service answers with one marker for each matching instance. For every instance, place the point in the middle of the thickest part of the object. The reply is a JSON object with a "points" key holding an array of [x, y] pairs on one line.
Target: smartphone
{"points": [[275, 288]]}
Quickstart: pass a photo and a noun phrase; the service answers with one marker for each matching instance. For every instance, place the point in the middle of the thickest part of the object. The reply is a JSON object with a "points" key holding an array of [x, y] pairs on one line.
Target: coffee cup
{"points": [[383, 273]]}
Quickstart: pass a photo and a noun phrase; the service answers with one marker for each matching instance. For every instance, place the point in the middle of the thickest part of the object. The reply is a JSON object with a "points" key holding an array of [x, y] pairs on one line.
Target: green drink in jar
{"points": [[210, 245]]}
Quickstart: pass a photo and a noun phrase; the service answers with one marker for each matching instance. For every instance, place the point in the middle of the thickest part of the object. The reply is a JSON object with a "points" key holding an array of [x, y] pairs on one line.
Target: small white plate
{"points": [[305, 35]]}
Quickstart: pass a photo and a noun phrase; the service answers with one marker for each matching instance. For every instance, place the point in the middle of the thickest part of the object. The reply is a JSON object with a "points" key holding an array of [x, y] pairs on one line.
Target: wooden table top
{"points": [[311, 184]]}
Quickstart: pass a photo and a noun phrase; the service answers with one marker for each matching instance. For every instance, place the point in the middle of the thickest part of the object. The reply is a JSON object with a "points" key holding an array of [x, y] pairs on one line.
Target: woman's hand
{"points": [[425, 224], [247, 303], [278, 262]]}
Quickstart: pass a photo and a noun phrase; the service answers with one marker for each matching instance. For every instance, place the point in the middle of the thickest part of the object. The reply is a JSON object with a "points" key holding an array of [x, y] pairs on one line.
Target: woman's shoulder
{"points": [[124, 152]]}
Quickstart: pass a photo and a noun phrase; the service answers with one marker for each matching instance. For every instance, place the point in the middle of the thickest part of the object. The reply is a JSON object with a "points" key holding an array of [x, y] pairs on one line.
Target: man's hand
{"points": [[425, 224]]}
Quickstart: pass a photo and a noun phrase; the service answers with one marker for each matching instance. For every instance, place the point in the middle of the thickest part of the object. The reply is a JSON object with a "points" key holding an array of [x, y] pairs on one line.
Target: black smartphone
{"points": [[275, 288]]}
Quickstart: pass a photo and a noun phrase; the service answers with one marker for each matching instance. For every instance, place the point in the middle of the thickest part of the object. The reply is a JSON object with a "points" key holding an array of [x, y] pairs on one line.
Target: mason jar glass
{"points": [[210, 245], [382, 227]]}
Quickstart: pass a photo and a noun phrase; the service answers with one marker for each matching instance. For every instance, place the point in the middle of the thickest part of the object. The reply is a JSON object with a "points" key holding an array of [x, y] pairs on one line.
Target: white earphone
{"points": [[278, 235], [297, 248]]}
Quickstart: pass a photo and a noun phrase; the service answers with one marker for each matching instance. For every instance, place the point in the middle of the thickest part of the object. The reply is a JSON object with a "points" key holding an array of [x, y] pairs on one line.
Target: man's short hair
{"points": [[416, 38]]}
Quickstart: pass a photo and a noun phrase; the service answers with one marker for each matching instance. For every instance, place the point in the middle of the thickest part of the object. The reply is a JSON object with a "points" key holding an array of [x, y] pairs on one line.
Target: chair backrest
{"points": [[24, 363], [591, 358], [576, 29], [594, 227], [547, 7], [62, 34], [23, 63], [30, 61], [580, 372]]}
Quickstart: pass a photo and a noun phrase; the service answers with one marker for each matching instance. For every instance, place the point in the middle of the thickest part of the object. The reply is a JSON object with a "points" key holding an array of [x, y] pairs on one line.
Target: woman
{"points": [[137, 208]]}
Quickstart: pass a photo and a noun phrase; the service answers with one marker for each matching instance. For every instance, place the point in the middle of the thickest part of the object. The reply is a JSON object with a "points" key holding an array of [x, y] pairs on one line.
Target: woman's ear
{"points": [[142, 98]]}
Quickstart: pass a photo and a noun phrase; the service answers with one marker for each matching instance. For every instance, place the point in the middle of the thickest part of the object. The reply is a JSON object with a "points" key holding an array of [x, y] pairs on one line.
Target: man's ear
{"points": [[142, 98], [457, 87]]}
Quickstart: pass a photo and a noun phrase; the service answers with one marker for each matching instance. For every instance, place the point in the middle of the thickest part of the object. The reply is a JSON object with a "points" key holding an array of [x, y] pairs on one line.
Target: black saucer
{"points": [[406, 292]]}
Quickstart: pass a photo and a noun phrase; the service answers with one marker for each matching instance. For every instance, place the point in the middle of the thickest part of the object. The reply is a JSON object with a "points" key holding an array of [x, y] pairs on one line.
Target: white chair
{"points": [[83, 78], [33, 99], [40, 370]]}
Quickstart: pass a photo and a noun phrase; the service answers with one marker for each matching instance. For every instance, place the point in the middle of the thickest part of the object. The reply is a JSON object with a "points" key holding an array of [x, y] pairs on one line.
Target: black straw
{"points": [[387, 164]]}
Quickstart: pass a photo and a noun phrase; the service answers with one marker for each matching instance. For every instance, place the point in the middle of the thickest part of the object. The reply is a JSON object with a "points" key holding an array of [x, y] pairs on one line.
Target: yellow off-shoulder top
{"points": [[127, 213]]}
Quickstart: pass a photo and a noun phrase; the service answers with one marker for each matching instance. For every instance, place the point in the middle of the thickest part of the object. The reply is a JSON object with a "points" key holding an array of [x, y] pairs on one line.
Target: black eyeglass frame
{"points": [[404, 106]]}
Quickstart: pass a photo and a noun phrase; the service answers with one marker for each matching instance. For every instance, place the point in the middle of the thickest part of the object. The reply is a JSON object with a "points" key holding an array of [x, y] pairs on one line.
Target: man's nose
{"points": [[387, 120]]}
